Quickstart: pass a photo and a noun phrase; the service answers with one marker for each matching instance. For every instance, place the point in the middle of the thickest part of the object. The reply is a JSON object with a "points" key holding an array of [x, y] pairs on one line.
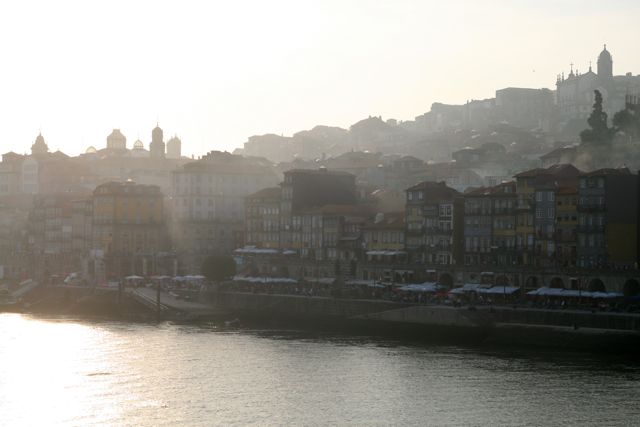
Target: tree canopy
{"points": [[217, 267], [599, 133], [628, 121]]}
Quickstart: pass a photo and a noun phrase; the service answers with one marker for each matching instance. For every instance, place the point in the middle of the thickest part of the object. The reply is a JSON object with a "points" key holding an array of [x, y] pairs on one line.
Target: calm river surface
{"points": [[66, 372]]}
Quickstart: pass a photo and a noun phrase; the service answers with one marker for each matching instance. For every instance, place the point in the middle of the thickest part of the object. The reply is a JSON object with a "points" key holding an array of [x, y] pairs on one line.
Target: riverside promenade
{"points": [[502, 325], [168, 303]]}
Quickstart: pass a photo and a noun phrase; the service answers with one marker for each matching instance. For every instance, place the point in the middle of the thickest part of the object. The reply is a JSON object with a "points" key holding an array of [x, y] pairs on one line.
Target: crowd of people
{"points": [[437, 296]]}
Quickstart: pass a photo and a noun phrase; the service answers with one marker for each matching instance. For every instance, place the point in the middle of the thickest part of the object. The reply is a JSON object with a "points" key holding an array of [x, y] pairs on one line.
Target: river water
{"points": [[66, 372]]}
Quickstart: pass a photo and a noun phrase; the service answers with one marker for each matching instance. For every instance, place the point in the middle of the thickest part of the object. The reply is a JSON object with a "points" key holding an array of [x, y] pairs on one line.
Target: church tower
{"points": [[605, 64], [39, 147], [174, 148], [116, 141], [157, 144]]}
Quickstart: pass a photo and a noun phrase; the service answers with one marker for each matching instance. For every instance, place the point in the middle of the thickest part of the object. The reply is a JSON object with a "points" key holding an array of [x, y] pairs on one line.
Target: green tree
{"points": [[218, 267], [599, 133], [628, 121]]}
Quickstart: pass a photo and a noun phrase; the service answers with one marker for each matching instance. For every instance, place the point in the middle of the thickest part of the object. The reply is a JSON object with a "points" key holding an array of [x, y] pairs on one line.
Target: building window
{"points": [[445, 210]]}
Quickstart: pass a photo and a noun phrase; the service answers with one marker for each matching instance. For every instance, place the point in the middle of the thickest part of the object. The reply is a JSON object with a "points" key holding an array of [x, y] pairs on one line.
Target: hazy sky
{"points": [[217, 72]]}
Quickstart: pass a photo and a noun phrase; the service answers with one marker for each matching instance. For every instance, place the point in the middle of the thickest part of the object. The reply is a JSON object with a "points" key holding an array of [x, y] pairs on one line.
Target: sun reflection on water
{"points": [[78, 373], [51, 371]]}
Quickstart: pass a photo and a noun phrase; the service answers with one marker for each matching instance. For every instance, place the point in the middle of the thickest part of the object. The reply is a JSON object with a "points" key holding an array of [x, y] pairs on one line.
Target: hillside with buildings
{"points": [[491, 184]]}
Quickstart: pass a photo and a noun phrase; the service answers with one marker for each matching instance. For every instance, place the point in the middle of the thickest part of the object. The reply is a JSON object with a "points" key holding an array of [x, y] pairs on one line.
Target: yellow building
{"points": [[262, 223], [566, 226], [129, 235], [525, 190]]}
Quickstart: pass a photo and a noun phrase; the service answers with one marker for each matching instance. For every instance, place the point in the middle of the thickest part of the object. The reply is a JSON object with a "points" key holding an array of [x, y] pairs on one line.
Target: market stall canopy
{"points": [[387, 253], [254, 250], [572, 293], [421, 287], [499, 290], [362, 282], [263, 280], [467, 287]]}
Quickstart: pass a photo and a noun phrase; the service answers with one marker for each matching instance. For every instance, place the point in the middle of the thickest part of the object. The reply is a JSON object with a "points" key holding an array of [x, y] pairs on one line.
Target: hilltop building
{"points": [[116, 141], [174, 148], [39, 146], [157, 146], [575, 93]]}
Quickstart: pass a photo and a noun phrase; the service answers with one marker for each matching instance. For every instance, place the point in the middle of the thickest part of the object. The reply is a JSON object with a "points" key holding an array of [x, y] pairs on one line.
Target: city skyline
{"points": [[216, 76], [319, 212]]}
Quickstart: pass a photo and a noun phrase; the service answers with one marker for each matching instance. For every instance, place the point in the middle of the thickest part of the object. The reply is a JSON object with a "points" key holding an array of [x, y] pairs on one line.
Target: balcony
{"points": [[431, 231], [524, 205], [590, 228], [438, 247], [437, 231], [592, 207], [502, 249], [504, 211], [415, 231], [565, 237]]}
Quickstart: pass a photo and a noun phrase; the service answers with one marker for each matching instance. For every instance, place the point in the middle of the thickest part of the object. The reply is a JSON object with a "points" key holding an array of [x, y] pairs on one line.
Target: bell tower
{"points": [[157, 143], [605, 64]]}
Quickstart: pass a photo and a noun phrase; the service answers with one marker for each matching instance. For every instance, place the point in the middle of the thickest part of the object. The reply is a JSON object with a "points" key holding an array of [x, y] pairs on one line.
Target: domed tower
{"points": [[174, 148], [157, 143], [39, 147], [138, 150], [605, 64], [116, 141]]}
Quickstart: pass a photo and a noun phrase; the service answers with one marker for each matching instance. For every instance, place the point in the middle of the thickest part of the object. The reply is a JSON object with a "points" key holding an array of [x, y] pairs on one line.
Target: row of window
{"points": [[263, 224], [384, 237], [542, 196], [590, 220], [591, 182], [545, 213], [591, 240], [263, 210]]}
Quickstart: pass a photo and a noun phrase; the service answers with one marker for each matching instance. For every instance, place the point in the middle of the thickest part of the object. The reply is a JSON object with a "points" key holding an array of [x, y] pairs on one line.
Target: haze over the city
{"points": [[217, 73]]}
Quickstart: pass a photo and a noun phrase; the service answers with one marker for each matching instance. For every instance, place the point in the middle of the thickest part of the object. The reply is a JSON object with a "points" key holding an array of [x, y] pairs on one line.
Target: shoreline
{"points": [[478, 326]]}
